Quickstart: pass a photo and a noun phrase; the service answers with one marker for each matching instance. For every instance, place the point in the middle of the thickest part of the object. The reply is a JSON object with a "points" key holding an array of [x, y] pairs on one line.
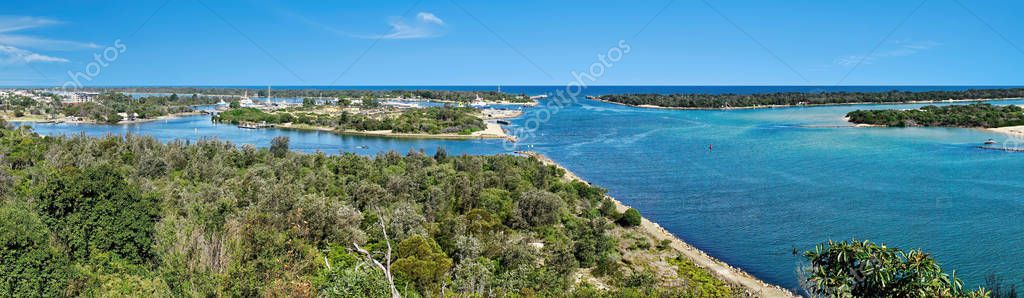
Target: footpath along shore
{"points": [[752, 285]]}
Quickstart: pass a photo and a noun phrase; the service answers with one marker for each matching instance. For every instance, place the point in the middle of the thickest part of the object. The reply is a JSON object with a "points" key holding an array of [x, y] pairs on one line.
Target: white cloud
{"points": [[14, 45], [426, 25], [894, 49], [427, 17], [45, 43], [18, 23], [12, 55]]}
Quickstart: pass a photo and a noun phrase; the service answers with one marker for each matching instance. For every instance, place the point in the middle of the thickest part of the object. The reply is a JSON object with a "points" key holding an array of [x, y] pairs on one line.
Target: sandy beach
{"points": [[1017, 131], [753, 286]]}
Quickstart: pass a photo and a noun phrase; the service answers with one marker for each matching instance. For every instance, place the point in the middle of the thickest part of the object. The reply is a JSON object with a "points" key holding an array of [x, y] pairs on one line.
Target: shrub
{"points": [[279, 146], [421, 260], [631, 218], [538, 207]]}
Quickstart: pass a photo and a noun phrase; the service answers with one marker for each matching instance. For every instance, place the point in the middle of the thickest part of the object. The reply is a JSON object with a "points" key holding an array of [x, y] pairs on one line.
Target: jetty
{"points": [[1007, 149], [254, 125]]}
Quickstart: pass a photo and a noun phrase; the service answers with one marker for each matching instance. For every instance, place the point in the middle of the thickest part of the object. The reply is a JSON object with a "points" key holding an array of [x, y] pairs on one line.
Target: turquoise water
{"points": [[770, 184], [776, 179]]}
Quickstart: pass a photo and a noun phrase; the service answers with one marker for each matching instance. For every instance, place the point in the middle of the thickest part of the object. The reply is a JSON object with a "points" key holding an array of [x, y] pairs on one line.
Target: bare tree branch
{"points": [[387, 257]]}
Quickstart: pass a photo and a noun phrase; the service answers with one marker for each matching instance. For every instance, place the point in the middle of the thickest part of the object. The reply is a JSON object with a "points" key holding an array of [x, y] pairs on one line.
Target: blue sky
{"points": [[461, 42]]}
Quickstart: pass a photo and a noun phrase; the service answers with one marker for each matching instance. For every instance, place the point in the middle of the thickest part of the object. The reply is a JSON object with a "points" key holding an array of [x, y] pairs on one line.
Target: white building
{"points": [[79, 97]]}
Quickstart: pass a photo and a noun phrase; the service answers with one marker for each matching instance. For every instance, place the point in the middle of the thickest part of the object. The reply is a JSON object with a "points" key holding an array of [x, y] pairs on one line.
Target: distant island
{"points": [[430, 122], [784, 99], [979, 115]]}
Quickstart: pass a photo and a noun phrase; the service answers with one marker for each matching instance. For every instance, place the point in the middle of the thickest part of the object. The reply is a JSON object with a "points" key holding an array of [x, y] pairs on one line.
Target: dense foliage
{"points": [[730, 100], [865, 269], [972, 115], [130, 216], [446, 95], [433, 120]]}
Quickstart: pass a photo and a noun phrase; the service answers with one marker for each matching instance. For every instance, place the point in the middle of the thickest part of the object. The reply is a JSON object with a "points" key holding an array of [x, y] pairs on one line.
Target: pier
{"points": [[253, 125], [1007, 149]]}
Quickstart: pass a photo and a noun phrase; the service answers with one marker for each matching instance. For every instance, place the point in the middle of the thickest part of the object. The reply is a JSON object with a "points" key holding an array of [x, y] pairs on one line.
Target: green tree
{"points": [[114, 118], [421, 261], [866, 269], [279, 146], [96, 210], [29, 266], [538, 207]]}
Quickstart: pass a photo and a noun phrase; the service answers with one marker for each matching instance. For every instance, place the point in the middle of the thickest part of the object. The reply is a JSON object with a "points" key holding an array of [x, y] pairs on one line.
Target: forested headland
{"points": [[981, 115], [128, 215], [431, 120], [729, 100]]}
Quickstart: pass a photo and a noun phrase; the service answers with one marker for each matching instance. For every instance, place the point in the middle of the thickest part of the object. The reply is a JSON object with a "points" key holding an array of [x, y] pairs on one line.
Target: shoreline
{"points": [[752, 285], [493, 131], [1010, 130], [531, 103], [93, 122], [807, 105]]}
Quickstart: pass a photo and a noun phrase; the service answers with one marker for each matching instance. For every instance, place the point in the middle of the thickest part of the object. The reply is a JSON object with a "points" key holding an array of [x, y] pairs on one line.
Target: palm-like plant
{"points": [[866, 269]]}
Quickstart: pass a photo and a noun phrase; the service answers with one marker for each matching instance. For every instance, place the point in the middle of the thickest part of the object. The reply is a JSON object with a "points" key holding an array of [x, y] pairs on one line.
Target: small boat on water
{"points": [[990, 142]]}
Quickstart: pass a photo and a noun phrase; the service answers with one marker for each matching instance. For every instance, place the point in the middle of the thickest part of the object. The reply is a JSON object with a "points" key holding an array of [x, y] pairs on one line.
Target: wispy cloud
{"points": [[12, 55], [896, 49], [13, 46], [426, 25], [45, 43]]}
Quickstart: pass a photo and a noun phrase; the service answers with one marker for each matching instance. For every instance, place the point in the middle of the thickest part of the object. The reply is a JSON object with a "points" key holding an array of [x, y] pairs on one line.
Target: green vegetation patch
{"points": [[730, 100], [432, 120], [128, 215], [972, 115]]}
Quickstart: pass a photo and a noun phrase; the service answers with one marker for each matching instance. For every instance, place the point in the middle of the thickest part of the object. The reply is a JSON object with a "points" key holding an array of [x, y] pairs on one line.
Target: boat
{"points": [[990, 142], [245, 101]]}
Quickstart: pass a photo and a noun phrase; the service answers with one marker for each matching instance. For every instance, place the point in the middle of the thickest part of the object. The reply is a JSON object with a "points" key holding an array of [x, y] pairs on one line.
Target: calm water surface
{"points": [[776, 179]]}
